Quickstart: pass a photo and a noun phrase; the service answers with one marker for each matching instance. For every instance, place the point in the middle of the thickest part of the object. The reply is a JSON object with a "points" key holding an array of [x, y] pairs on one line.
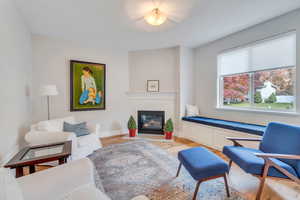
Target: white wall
{"points": [[187, 78], [51, 66], [174, 68], [15, 70], [157, 64], [206, 70]]}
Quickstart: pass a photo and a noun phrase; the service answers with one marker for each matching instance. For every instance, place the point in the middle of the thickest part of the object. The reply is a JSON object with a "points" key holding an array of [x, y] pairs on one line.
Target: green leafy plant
{"points": [[272, 99], [169, 126], [131, 123], [257, 97]]}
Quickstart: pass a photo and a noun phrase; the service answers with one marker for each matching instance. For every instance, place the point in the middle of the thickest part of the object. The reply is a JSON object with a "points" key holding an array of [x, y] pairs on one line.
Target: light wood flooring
{"points": [[275, 189]]}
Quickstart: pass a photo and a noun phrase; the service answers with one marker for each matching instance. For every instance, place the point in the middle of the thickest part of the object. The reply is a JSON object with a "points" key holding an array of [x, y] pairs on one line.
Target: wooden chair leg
{"points": [[262, 181], [179, 167], [230, 163], [226, 186], [196, 190]]}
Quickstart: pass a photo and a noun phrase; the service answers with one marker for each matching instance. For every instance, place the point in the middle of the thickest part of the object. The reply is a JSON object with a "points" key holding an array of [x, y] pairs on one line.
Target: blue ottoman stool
{"points": [[203, 165]]}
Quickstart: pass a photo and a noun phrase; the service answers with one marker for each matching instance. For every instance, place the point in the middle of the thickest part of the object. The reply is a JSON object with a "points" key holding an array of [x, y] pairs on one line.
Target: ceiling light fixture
{"points": [[155, 17]]}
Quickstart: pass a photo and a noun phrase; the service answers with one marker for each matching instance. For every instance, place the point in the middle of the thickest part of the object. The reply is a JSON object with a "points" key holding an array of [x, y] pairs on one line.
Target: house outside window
{"points": [[260, 76]]}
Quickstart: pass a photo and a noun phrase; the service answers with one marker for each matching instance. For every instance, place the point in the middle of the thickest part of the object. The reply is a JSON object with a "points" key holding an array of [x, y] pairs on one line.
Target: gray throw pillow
{"points": [[79, 129]]}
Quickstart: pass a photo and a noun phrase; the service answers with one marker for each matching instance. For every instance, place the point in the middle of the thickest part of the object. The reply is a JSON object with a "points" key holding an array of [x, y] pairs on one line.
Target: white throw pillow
{"points": [[54, 125], [9, 188], [192, 110]]}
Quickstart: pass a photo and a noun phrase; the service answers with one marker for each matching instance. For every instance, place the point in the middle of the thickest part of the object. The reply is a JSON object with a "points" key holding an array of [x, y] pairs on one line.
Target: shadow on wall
{"points": [[23, 130], [20, 143]]}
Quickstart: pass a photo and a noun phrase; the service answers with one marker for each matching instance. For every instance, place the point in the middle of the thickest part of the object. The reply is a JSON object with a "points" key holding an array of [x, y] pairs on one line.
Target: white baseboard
{"points": [[104, 134]]}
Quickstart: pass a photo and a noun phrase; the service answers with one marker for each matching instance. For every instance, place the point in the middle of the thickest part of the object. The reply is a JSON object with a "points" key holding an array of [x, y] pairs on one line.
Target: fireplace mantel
{"points": [[163, 101], [152, 95]]}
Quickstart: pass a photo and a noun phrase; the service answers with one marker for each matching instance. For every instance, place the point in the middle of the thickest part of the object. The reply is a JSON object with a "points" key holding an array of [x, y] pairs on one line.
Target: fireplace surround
{"points": [[151, 122]]}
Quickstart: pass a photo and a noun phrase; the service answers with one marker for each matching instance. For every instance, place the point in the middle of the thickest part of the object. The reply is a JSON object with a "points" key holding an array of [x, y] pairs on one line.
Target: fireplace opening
{"points": [[151, 122]]}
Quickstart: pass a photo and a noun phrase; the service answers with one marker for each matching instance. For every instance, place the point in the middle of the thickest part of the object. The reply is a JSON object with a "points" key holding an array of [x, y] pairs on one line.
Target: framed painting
{"points": [[152, 85], [87, 86]]}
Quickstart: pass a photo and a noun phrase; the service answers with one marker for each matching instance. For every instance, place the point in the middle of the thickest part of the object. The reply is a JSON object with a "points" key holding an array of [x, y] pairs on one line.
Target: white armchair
{"points": [[51, 131]]}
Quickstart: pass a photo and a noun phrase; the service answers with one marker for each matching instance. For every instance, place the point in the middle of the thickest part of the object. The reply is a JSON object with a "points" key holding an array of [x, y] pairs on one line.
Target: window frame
{"points": [[220, 80]]}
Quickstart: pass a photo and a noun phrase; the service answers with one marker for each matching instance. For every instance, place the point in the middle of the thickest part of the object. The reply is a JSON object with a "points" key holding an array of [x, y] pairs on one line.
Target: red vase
{"points": [[168, 135], [132, 132]]}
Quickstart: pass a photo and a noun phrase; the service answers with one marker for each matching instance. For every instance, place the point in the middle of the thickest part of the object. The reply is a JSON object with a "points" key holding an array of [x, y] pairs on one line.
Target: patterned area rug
{"points": [[140, 168]]}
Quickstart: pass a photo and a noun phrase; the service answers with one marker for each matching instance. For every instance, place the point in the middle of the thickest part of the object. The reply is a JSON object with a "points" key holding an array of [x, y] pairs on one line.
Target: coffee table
{"points": [[31, 156]]}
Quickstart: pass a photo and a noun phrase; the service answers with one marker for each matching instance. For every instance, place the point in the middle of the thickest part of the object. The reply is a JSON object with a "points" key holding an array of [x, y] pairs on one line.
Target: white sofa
{"points": [[71, 181], [51, 131]]}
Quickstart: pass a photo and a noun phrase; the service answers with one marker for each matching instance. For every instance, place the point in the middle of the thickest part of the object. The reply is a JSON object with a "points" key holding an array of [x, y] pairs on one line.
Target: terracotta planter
{"points": [[168, 135], [132, 132]]}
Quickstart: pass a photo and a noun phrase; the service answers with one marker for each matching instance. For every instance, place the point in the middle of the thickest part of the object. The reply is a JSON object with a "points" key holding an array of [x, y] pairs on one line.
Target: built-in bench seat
{"points": [[231, 125]]}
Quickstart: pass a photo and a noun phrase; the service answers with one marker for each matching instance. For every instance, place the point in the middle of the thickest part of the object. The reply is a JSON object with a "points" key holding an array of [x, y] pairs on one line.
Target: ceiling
{"points": [[119, 23]]}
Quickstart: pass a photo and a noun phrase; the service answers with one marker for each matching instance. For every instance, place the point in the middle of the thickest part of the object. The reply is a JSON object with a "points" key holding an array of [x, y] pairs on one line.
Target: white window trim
{"points": [[265, 111], [220, 105]]}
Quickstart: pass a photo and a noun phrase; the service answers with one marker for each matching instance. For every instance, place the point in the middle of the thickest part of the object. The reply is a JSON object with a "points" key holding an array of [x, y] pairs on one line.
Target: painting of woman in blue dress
{"points": [[87, 86], [89, 94]]}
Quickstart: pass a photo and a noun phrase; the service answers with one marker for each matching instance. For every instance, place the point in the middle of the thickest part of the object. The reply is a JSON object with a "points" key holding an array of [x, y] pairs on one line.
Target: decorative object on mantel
{"points": [[131, 126], [49, 90], [152, 85], [169, 128], [87, 86]]}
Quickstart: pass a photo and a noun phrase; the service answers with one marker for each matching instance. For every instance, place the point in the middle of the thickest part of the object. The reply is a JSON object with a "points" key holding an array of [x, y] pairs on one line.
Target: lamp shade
{"points": [[49, 90]]}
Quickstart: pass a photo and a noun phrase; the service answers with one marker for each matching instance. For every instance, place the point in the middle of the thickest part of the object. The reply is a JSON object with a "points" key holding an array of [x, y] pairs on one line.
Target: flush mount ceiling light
{"points": [[155, 17]]}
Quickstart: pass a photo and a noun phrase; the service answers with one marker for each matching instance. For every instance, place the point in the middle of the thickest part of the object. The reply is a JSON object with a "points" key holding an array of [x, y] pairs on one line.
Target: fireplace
{"points": [[151, 122]]}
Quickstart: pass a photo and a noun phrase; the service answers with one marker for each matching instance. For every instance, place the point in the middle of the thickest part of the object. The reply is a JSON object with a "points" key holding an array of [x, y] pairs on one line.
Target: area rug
{"points": [[141, 168]]}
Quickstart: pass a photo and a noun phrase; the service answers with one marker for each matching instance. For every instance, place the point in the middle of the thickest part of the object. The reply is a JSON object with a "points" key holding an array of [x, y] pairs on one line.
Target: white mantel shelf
{"points": [[152, 95]]}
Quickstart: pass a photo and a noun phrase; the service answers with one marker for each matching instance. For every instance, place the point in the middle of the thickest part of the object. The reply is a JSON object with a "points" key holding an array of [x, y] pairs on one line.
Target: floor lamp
{"points": [[49, 90]]}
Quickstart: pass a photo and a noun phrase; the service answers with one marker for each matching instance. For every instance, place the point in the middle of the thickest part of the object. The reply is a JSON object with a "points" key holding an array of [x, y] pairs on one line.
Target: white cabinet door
{"points": [[220, 140], [205, 135], [198, 133]]}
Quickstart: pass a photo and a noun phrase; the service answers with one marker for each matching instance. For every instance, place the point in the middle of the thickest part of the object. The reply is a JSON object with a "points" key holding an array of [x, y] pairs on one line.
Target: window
{"points": [[260, 76]]}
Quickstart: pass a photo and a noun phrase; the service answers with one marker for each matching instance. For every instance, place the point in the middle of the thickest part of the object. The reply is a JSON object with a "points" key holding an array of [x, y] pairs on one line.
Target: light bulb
{"points": [[155, 17]]}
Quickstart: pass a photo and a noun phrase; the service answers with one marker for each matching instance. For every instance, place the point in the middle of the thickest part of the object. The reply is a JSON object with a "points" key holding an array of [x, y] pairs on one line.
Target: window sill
{"points": [[291, 113]]}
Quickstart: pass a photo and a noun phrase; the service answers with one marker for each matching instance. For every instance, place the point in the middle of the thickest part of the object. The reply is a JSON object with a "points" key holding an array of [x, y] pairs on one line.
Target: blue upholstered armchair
{"points": [[278, 154]]}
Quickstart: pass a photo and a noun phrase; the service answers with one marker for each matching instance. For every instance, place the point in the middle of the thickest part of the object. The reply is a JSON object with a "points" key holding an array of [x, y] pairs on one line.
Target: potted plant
{"points": [[168, 129], [131, 126]]}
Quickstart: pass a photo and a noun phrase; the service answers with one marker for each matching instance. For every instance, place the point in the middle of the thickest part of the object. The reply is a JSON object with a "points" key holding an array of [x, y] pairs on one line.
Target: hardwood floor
{"points": [[245, 184]]}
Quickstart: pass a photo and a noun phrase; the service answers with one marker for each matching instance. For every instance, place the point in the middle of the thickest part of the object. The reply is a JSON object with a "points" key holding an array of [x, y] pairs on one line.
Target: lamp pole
{"points": [[47, 91], [48, 103]]}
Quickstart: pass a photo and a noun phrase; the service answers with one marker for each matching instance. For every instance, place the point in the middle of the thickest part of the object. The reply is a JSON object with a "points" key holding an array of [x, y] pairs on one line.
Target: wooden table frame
{"points": [[17, 163]]}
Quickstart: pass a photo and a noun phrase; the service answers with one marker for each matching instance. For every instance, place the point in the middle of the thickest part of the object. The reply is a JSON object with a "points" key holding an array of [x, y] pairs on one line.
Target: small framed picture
{"points": [[152, 85]]}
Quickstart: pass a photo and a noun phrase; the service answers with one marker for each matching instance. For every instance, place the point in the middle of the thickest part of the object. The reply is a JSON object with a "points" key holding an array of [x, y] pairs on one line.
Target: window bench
{"points": [[231, 125], [213, 132]]}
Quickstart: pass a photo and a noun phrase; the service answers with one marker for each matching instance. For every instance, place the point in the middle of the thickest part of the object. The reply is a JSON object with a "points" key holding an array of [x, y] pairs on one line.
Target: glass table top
{"points": [[43, 151]]}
